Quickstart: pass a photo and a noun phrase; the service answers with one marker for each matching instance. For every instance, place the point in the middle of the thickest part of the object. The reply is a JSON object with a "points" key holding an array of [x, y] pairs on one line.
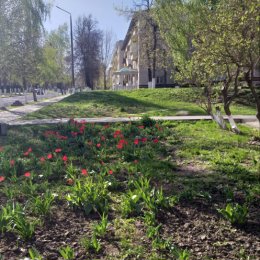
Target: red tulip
{"points": [[27, 174], [136, 141], [119, 146], [144, 139], [84, 172], [65, 158]]}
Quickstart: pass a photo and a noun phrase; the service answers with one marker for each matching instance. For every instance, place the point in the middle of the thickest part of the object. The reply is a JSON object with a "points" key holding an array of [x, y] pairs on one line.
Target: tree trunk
{"points": [[227, 102], [154, 55], [217, 118], [34, 95], [105, 79], [248, 78], [149, 74], [165, 76], [230, 118]]}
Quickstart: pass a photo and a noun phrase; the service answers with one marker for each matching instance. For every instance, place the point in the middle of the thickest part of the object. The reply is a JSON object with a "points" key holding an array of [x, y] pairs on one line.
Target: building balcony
{"points": [[129, 62], [134, 57], [134, 48]]}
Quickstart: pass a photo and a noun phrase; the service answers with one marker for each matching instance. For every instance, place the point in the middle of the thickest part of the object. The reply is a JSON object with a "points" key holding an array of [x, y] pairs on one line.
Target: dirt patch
{"points": [[194, 225], [204, 233]]}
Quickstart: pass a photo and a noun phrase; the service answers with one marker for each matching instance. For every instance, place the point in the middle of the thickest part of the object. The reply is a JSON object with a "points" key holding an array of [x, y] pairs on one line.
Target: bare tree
{"points": [[144, 4], [88, 40], [106, 53]]}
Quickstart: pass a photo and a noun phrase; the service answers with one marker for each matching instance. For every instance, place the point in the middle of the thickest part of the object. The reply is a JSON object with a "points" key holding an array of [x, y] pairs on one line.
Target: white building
{"points": [[130, 68]]}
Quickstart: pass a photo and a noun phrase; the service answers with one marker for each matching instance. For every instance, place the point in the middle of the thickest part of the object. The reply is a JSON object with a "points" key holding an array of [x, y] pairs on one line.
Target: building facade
{"points": [[137, 62]]}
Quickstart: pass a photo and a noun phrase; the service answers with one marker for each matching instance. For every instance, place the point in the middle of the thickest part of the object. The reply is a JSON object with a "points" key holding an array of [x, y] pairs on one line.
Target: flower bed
{"points": [[124, 191]]}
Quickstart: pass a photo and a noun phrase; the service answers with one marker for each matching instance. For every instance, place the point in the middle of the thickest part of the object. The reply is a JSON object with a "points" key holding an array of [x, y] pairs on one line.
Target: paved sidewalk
{"points": [[254, 124], [14, 114], [250, 120], [6, 101]]}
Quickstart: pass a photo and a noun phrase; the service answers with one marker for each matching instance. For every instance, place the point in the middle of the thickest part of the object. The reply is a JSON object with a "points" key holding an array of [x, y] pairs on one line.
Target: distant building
{"points": [[132, 61]]}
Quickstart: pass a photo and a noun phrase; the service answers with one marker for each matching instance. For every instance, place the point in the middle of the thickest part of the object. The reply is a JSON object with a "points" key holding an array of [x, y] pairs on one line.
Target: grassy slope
{"points": [[154, 102]]}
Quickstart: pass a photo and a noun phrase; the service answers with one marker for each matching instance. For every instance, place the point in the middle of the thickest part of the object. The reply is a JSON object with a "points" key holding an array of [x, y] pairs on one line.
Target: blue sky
{"points": [[102, 10]]}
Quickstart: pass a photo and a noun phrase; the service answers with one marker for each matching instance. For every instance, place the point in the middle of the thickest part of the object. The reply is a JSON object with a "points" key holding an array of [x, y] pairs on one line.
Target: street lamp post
{"points": [[71, 40]]}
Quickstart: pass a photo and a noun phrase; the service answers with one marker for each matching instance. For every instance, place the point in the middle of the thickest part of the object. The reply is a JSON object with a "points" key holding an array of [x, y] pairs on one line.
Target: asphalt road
{"points": [[8, 101]]}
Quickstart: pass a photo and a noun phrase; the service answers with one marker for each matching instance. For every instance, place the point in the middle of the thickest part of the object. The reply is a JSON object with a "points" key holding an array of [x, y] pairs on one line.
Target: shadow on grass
{"points": [[108, 103], [110, 98]]}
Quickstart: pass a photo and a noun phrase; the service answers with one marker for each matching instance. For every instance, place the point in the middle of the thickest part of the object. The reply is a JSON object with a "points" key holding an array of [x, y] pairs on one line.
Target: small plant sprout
{"points": [[89, 195], [71, 171], [67, 253], [5, 218], [41, 205], [92, 243], [34, 254], [101, 228], [235, 213], [20, 224]]}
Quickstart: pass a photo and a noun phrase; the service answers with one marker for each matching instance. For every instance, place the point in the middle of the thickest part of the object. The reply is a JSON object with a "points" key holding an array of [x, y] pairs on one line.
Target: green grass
{"points": [[153, 102]]}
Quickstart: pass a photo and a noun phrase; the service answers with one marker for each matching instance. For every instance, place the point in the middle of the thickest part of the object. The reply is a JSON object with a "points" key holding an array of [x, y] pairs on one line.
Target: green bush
{"points": [[147, 121]]}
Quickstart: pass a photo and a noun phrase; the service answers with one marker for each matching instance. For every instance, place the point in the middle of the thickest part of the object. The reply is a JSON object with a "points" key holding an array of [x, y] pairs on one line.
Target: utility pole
{"points": [[71, 45]]}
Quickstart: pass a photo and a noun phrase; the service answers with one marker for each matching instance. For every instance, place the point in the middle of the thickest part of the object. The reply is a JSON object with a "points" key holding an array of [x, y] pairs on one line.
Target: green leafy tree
{"points": [[21, 32], [214, 44], [227, 50], [54, 65], [178, 21]]}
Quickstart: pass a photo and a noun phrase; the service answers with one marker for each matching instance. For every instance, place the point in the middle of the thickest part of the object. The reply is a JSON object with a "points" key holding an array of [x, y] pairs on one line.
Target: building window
{"points": [[160, 80]]}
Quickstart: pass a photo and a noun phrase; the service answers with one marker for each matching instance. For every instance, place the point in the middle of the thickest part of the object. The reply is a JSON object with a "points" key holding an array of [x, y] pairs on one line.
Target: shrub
{"points": [[146, 121]]}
